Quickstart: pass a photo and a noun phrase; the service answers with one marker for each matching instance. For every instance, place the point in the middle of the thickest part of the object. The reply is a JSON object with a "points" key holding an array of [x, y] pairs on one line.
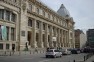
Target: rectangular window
{"points": [[13, 17], [30, 7], [12, 34], [43, 26], [1, 14], [44, 13], [7, 46], [0, 33], [8, 15], [37, 10], [49, 16], [23, 33], [15, 0], [37, 24], [30, 22], [1, 46], [7, 33]]}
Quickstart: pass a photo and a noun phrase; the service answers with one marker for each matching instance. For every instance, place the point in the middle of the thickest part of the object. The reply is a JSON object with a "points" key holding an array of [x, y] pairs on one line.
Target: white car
{"points": [[53, 53], [66, 51]]}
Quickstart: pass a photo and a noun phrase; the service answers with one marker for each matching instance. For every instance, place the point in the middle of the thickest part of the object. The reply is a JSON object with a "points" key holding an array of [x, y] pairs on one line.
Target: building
{"points": [[90, 37], [80, 39], [33, 24]]}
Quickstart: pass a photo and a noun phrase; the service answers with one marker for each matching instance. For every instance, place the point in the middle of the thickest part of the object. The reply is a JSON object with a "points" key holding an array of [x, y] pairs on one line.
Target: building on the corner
{"points": [[90, 38], [33, 24], [80, 39]]}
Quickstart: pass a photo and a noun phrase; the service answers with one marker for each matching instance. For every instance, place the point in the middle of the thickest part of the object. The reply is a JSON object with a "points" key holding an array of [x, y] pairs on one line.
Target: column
{"points": [[46, 36], [51, 41], [9, 33], [64, 38], [61, 38], [67, 38], [34, 34], [56, 37], [40, 35]]}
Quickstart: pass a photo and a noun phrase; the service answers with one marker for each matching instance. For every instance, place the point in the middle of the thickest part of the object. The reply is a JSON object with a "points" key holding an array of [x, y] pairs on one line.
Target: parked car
{"points": [[66, 51], [53, 53], [75, 51]]}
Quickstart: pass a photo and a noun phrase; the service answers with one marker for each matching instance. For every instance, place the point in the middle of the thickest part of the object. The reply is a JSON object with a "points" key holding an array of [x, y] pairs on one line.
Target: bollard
{"points": [[5, 52], [19, 53], [84, 58], [30, 52], [73, 60], [10, 53]]}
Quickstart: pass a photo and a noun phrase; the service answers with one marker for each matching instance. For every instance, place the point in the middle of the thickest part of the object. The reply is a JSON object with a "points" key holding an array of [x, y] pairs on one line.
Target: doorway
{"points": [[29, 37]]}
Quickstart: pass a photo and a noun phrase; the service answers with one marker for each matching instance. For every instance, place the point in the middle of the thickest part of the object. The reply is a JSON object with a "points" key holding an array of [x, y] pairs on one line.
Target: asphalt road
{"points": [[41, 58]]}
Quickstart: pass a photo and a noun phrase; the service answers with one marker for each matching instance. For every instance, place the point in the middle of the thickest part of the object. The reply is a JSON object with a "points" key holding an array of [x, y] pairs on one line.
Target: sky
{"points": [[82, 11]]}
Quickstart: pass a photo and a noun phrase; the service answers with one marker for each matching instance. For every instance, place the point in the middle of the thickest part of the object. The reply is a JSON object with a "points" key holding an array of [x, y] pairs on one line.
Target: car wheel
{"points": [[60, 55], [54, 56], [46, 56]]}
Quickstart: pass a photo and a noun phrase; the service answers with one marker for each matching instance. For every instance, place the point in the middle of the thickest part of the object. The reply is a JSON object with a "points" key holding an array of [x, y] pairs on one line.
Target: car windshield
{"points": [[49, 50]]}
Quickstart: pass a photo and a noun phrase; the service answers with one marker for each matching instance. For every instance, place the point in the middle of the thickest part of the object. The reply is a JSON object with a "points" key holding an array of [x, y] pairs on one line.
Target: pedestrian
{"points": [[13, 49]]}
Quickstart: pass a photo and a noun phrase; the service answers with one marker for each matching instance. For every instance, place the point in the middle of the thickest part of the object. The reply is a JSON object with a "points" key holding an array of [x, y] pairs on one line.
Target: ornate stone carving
{"points": [[24, 5]]}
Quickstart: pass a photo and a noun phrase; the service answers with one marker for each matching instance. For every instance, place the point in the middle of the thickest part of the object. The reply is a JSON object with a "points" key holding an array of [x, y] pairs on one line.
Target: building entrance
{"points": [[29, 37]]}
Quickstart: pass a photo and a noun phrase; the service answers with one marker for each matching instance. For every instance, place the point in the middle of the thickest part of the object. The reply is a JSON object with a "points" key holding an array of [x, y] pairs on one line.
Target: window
{"points": [[44, 13], [37, 24], [15, 0], [8, 15], [49, 16], [30, 7], [1, 14], [49, 28], [37, 36], [7, 33], [1, 46], [12, 34], [37, 10], [23, 33], [0, 33], [13, 17], [7, 46], [30, 22], [43, 26]]}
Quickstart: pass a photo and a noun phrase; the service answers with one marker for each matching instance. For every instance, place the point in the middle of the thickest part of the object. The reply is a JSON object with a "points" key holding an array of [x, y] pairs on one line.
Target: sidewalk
{"points": [[10, 53], [90, 59]]}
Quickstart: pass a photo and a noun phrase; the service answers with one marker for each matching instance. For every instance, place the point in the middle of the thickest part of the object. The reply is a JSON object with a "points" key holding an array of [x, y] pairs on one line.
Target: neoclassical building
{"points": [[32, 23]]}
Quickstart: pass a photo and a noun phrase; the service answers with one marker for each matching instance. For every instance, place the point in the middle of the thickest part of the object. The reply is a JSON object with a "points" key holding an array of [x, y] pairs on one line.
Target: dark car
{"points": [[75, 51]]}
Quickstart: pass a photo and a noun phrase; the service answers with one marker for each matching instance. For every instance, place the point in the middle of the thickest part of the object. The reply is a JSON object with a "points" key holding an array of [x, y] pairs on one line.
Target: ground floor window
{"points": [[7, 46], [1, 46]]}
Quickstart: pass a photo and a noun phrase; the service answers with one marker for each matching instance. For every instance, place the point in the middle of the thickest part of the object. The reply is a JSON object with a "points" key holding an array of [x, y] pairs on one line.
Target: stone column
{"points": [[9, 33], [51, 41], [67, 38], [34, 34], [61, 38], [46, 36], [64, 38], [58, 37], [40, 35]]}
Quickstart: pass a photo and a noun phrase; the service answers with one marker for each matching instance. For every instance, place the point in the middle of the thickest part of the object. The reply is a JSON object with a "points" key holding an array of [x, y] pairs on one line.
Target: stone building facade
{"points": [[33, 23]]}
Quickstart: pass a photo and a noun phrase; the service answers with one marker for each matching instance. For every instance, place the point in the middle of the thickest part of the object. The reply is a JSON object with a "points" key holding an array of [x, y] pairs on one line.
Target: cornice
{"points": [[10, 3]]}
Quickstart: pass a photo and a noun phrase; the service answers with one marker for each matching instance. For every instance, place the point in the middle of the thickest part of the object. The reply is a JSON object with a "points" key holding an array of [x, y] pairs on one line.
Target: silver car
{"points": [[53, 53]]}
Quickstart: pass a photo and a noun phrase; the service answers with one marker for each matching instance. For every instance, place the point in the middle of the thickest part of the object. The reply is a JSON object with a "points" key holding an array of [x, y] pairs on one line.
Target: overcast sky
{"points": [[82, 11]]}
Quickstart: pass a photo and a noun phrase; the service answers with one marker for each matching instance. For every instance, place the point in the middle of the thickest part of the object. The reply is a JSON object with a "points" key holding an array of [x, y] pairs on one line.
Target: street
{"points": [[41, 58]]}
